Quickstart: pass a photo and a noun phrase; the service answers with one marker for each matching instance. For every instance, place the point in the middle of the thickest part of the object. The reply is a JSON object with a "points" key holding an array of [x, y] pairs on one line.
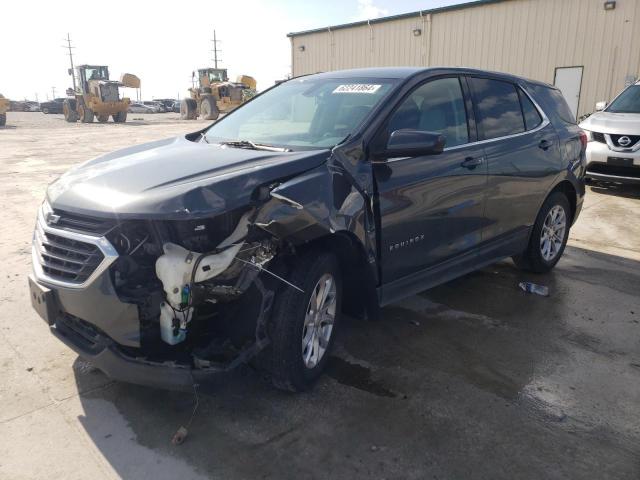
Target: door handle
{"points": [[544, 144], [472, 162]]}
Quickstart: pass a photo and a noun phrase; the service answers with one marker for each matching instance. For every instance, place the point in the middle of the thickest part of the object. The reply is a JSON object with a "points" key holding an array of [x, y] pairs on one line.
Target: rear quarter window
{"points": [[554, 105]]}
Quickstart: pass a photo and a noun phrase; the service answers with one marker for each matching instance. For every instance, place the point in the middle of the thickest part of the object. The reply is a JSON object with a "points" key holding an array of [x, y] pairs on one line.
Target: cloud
{"points": [[367, 10]]}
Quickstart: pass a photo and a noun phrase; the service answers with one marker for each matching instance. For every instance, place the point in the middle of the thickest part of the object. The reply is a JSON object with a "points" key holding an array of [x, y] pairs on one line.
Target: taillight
{"points": [[583, 138]]}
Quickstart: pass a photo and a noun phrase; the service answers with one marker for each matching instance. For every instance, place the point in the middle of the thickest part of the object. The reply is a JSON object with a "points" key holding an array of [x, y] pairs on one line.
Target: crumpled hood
{"points": [[615, 123], [173, 179]]}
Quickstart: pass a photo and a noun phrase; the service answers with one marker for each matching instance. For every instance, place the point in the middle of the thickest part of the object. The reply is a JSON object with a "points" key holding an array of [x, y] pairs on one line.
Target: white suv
{"points": [[613, 132]]}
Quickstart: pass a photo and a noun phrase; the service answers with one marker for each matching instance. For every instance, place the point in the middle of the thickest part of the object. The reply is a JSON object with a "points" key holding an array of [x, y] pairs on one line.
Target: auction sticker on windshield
{"points": [[357, 88]]}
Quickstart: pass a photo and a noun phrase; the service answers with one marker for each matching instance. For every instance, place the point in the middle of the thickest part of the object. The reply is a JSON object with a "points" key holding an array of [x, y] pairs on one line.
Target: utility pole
{"points": [[215, 50], [53, 92], [69, 47]]}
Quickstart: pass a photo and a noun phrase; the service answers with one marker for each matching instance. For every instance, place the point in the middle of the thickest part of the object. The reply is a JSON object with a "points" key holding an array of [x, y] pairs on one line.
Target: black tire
{"points": [[45, 110], [209, 108], [103, 118], [120, 117], [532, 258], [85, 113], [284, 356], [69, 110], [188, 109], [3, 119]]}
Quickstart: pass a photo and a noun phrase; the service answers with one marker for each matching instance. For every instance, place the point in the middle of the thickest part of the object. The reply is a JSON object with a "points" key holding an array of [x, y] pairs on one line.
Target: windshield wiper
{"points": [[254, 146]]}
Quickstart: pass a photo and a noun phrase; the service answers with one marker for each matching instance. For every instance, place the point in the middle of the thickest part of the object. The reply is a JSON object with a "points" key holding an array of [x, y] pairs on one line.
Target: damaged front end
{"points": [[178, 287], [200, 288]]}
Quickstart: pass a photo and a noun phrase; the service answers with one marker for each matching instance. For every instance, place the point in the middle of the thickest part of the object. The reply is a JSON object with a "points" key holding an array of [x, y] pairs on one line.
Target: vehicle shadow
{"points": [[470, 367]]}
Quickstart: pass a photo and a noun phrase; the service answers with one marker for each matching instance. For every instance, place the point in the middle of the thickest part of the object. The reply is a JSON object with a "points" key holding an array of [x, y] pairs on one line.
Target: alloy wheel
{"points": [[553, 231], [319, 320]]}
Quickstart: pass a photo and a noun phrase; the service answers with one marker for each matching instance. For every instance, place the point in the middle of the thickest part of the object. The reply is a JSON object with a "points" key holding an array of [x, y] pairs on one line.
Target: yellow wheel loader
{"points": [[97, 96], [4, 106], [215, 94]]}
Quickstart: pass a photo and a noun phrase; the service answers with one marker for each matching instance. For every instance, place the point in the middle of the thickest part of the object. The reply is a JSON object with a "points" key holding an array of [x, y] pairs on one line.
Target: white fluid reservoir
{"points": [[173, 325]]}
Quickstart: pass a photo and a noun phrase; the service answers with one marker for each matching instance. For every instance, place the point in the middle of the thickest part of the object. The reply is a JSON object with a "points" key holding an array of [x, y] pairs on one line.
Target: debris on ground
{"points": [[534, 288], [179, 436], [182, 432]]}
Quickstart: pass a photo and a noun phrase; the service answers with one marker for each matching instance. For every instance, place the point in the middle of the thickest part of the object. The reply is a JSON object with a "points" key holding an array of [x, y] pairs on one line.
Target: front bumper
{"points": [[605, 164], [117, 362]]}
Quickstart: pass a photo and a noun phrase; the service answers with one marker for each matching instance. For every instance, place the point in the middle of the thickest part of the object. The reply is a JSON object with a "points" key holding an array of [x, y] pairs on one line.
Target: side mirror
{"points": [[413, 143], [601, 106]]}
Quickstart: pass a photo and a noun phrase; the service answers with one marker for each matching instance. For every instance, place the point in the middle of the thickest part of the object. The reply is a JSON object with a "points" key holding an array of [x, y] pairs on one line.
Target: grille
{"points": [[83, 333], [599, 137], [66, 259], [634, 139], [82, 223], [605, 169]]}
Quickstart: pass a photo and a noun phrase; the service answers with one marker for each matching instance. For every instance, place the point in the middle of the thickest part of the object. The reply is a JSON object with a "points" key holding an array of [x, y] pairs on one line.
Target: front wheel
{"points": [[548, 237], [69, 110], [209, 108], [304, 324], [188, 109], [85, 113], [120, 117]]}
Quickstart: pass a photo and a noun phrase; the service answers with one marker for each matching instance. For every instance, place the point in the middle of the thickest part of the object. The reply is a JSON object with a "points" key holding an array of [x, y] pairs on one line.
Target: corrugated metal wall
{"points": [[525, 37]]}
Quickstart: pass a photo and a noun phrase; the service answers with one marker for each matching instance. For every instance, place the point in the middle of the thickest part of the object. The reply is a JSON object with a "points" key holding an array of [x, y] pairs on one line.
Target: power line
{"points": [[215, 50], [69, 47]]}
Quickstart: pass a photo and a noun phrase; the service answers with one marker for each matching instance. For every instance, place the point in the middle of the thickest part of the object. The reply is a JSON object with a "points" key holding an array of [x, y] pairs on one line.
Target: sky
{"points": [[163, 42]]}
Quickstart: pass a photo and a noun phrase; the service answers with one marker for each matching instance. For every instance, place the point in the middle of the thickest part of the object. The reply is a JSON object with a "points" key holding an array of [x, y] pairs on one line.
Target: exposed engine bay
{"points": [[189, 280]]}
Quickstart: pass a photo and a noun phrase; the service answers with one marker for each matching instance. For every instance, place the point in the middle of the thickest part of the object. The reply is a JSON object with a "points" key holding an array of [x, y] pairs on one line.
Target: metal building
{"points": [[590, 49]]}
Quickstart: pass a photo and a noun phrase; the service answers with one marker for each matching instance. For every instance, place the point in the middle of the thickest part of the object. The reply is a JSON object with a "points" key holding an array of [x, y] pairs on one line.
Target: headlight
{"points": [[46, 212]]}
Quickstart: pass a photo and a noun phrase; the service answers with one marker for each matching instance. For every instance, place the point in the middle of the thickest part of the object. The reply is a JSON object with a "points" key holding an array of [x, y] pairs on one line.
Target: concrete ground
{"points": [[473, 379]]}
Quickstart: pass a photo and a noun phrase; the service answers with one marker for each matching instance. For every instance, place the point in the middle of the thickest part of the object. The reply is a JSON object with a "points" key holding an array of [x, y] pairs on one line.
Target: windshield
{"points": [[627, 102], [303, 113], [96, 73]]}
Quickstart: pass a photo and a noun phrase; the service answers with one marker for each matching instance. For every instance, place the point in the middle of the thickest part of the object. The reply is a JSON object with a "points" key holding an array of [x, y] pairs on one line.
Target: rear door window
{"points": [[498, 108]]}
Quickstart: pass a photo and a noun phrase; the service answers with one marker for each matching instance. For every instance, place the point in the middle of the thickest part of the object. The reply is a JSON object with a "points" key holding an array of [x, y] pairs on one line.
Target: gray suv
{"points": [[179, 260]]}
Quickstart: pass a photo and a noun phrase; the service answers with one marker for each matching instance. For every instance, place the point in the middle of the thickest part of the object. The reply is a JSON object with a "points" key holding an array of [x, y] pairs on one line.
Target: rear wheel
{"points": [[548, 237], [304, 324], [188, 109], [45, 110], [209, 108], [120, 117], [103, 118], [85, 113], [3, 119], [69, 110]]}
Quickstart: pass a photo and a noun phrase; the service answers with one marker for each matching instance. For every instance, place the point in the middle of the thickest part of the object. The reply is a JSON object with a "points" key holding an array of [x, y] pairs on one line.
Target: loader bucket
{"points": [[130, 80]]}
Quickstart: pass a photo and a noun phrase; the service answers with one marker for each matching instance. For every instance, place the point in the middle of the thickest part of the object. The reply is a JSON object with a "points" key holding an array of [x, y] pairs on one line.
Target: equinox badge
{"points": [[406, 243]]}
